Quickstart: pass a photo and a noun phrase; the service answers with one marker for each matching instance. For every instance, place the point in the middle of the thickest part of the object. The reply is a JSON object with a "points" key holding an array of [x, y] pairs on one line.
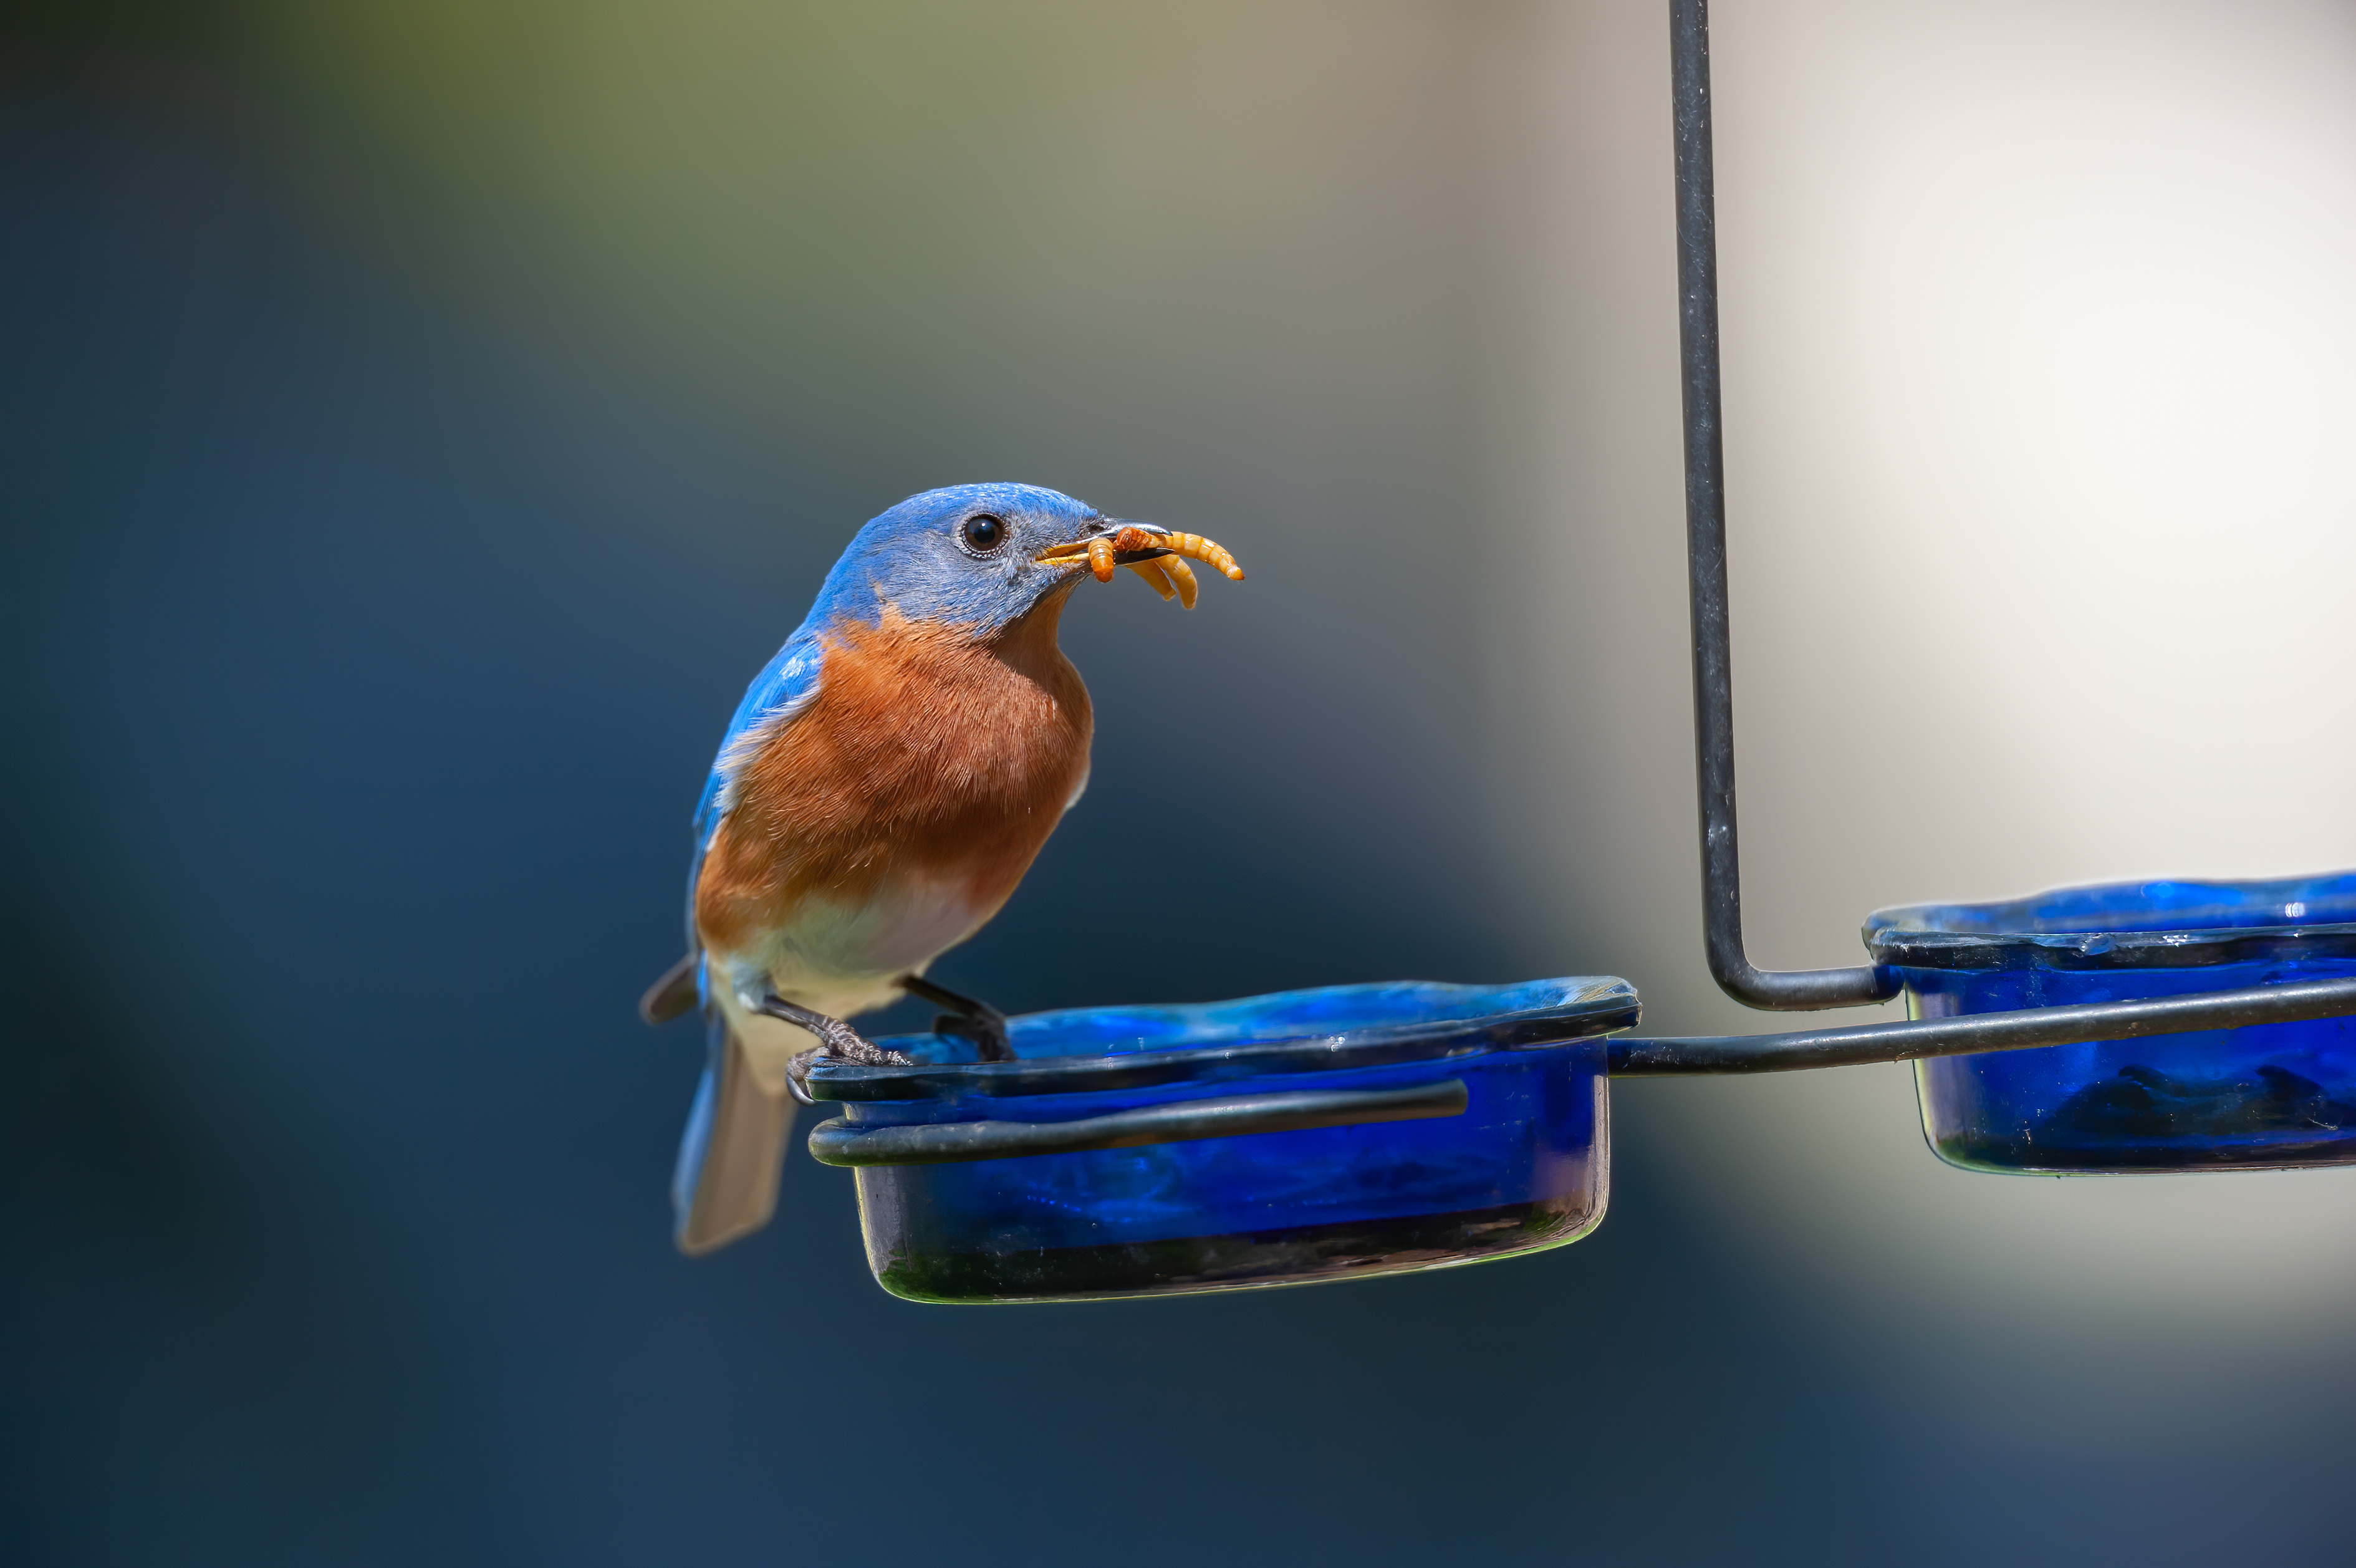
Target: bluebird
{"points": [[886, 782]]}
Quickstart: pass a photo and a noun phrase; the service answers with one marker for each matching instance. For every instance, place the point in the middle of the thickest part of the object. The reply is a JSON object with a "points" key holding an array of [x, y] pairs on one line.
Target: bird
{"points": [[885, 783]]}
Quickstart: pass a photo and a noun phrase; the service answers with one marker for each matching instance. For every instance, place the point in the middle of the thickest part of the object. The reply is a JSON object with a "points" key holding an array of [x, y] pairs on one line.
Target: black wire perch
{"points": [[1812, 989]]}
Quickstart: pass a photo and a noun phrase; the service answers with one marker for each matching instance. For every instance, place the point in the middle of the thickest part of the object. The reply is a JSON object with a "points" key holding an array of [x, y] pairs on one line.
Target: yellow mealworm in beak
{"points": [[1210, 553], [1181, 575], [1100, 559], [1198, 548], [1151, 572], [1214, 556]]}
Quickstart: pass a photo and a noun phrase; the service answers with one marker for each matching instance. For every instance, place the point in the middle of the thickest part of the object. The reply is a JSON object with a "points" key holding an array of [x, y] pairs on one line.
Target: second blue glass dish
{"points": [[2271, 1096]]}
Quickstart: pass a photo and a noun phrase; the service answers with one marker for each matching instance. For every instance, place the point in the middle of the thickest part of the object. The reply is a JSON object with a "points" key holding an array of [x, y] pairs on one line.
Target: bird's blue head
{"points": [[969, 555]]}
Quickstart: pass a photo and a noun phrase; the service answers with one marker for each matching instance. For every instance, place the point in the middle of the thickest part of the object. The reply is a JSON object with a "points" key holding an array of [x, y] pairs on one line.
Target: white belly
{"points": [[841, 960]]}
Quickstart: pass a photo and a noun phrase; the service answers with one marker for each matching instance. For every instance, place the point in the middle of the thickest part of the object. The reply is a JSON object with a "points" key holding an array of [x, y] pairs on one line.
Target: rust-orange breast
{"points": [[925, 753]]}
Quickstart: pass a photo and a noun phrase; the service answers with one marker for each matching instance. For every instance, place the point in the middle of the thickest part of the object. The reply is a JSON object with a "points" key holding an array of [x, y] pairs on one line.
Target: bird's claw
{"points": [[837, 1041], [988, 1034]]}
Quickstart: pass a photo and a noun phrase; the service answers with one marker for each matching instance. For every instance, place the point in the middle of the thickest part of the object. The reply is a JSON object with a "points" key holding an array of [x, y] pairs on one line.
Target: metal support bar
{"points": [[1722, 876], [1974, 1032], [842, 1143]]}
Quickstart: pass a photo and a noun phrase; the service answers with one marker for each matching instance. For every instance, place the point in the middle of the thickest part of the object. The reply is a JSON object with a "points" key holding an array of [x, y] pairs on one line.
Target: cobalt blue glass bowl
{"points": [[2271, 1096], [1276, 1139]]}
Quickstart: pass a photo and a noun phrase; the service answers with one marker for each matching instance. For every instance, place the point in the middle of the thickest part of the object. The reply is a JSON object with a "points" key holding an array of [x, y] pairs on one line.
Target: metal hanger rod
{"points": [[1721, 874]]}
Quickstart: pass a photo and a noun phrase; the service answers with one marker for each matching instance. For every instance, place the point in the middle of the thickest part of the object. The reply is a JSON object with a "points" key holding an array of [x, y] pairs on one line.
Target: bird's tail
{"points": [[729, 1161]]}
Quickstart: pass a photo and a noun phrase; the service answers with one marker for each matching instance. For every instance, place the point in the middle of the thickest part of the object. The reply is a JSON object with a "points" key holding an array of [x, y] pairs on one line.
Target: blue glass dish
{"points": [[1516, 1161], [2267, 1096]]}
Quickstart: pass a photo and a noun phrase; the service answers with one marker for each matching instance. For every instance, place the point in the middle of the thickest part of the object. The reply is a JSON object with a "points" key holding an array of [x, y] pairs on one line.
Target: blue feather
{"points": [[785, 686]]}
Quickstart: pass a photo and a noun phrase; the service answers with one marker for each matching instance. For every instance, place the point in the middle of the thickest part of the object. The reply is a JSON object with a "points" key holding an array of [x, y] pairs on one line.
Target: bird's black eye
{"points": [[984, 533]]}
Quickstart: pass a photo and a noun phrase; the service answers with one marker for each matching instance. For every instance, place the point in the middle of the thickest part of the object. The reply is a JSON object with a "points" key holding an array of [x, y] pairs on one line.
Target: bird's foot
{"points": [[837, 1041], [976, 1021], [842, 1044], [845, 1044], [987, 1035]]}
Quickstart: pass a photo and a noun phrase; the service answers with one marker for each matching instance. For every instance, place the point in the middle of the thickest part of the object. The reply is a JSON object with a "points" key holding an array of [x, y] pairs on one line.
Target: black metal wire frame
{"points": [[1713, 673], [1910, 1039], [1810, 988]]}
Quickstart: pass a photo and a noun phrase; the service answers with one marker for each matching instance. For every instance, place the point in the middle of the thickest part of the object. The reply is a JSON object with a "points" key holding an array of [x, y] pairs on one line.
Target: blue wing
{"points": [[726, 1179], [786, 686]]}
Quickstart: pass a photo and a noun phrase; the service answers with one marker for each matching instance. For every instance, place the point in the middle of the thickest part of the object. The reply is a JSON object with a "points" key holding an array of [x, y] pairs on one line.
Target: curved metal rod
{"points": [[1722, 876], [1974, 1032], [842, 1143]]}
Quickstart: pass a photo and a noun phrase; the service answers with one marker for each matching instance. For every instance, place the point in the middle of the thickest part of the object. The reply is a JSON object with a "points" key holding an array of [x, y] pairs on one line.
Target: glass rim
{"points": [[2151, 924], [1583, 1008]]}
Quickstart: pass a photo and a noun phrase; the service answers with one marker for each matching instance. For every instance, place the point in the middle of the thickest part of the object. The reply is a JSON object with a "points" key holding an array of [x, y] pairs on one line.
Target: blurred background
{"points": [[421, 419]]}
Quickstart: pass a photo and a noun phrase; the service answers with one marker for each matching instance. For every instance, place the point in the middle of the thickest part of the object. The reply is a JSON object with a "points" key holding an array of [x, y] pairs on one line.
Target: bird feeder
{"points": [[1354, 1130]]}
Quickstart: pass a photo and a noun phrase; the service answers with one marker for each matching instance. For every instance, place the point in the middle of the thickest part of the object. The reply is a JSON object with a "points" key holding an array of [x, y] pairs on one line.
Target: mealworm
{"points": [[1193, 546], [1182, 577], [1154, 577], [1196, 547], [1101, 557]]}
